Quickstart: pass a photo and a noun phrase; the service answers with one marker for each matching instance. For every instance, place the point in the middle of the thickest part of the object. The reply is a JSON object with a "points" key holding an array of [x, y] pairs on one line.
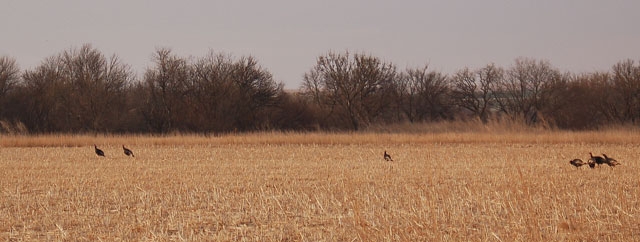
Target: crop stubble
{"points": [[333, 192]]}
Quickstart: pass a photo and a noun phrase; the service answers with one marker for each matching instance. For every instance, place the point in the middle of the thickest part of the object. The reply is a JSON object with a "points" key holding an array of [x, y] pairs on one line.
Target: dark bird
{"points": [[610, 161], [99, 152], [128, 152], [591, 164], [597, 159], [577, 163], [387, 157]]}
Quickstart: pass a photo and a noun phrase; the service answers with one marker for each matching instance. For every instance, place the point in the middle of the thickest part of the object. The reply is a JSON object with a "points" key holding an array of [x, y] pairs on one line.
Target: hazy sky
{"points": [[287, 36]]}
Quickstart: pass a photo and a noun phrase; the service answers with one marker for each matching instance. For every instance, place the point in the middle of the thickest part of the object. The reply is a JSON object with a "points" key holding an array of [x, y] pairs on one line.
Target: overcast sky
{"points": [[286, 36]]}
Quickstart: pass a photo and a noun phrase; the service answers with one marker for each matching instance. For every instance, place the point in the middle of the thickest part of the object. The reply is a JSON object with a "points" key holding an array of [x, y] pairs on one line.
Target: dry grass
{"points": [[320, 187], [379, 137]]}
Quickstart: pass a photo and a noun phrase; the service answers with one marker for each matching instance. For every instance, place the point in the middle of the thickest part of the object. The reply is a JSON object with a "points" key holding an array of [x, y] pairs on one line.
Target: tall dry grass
{"points": [[458, 186], [614, 135]]}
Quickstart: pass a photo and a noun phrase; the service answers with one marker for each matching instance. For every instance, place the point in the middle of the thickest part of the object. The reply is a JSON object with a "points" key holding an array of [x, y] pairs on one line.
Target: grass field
{"points": [[320, 187]]}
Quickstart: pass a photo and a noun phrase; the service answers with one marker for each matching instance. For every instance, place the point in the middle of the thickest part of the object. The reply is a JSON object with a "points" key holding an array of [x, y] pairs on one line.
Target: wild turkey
{"points": [[610, 161], [99, 152], [128, 152], [577, 163], [387, 157], [597, 159]]}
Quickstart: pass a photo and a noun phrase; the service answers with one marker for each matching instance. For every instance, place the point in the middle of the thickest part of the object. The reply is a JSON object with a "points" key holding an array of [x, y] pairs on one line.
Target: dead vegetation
{"points": [[314, 187]]}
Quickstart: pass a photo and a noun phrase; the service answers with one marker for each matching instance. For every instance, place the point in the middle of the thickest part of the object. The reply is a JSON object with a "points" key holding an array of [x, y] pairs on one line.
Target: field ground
{"points": [[325, 188]]}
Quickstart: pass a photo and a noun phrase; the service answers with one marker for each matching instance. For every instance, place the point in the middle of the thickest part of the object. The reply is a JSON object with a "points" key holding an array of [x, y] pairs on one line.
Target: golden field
{"points": [[444, 186]]}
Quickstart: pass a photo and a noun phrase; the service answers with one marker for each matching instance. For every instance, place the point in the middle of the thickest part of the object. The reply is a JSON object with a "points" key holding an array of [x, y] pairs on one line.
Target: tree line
{"points": [[82, 90]]}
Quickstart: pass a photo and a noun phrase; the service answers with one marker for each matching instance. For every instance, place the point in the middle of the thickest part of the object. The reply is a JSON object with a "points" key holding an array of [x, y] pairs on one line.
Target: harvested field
{"points": [[335, 188]]}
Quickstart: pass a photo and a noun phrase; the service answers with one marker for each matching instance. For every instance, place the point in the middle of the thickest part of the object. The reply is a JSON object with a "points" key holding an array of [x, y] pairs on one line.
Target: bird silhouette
{"points": [[99, 152], [577, 163], [610, 161], [387, 157], [128, 152], [597, 159]]}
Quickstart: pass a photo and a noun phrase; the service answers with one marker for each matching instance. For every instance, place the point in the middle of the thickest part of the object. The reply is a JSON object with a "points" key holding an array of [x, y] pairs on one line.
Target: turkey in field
{"points": [[597, 159], [577, 163], [610, 161], [387, 157], [128, 152], [99, 152]]}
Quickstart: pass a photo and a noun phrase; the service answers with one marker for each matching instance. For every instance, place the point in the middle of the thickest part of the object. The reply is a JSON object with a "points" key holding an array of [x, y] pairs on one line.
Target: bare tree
{"points": [[526, 89], [9, 74], [9, 77], [43, 87], [167, 87], [406, 97], [257, 91], [353, 90], [294, 113], [215, 93], [582, 106], [595, 99], [96, 85], [233, 94], [79, 90], [424, 95], [623, 93], [473, 90]]}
